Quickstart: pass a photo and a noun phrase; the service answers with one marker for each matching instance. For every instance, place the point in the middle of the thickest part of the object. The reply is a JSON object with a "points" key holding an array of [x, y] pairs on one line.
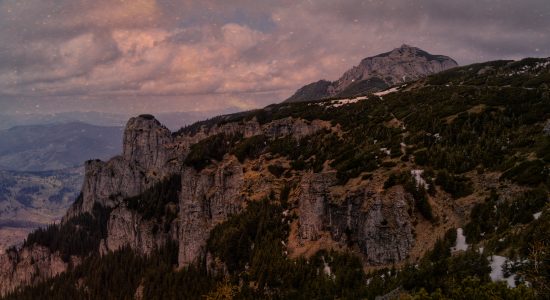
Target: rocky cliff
{"points": [[28, 266], [380, 180], [376, 73], [378, 224], [208, 197]]}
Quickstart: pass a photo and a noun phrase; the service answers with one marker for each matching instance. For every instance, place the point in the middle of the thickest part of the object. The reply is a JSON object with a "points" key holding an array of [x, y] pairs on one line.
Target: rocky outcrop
{"points": [[313, 194], [379, 224], [151, 153], [148, 155], [146, 143], [28, 266], [402, 64], [207, 198], [127, 228]]}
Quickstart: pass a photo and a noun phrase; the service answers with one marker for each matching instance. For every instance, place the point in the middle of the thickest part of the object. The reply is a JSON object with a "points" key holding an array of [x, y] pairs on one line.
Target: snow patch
{"points": [[326, 269], [417, 174], [460, 241], [497, 273], [385, 150], [341, 102], [537, 215], [525, 69], [388, 91]]}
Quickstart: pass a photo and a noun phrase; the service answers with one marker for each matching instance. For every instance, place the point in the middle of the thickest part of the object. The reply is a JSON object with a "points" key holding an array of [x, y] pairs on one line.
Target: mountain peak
{"points": [[378, 72], [406, 47], [142, 136]]}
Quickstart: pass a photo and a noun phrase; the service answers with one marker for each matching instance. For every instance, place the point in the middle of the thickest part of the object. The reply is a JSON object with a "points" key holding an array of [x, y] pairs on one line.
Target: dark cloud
{"points": [[161, 55]]}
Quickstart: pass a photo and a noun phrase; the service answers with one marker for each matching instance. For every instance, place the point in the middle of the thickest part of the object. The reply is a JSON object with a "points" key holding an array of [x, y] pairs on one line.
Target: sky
{"points": [[151, 56]]}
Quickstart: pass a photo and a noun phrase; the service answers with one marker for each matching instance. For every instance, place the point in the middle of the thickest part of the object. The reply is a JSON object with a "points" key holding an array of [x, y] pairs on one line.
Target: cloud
{"points": [[187, 55]]}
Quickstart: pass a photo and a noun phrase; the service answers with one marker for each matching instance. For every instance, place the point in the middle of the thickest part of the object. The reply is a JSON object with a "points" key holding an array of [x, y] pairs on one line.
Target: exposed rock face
{"points": [[207, 198], [151, 153], [146, 142], [28, 266], [313, 197], [128, 228], [402, 64], [147, 157], [379, 224], [375, 73]]}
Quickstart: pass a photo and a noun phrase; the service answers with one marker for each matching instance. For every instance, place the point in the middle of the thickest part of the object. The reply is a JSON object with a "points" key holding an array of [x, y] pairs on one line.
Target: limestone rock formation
{"points": [[207, 198], [145, 142], [376, 73], [152, 153], [128, 228], [145, 159], [379, 224], [28, 266], [313, 197]]}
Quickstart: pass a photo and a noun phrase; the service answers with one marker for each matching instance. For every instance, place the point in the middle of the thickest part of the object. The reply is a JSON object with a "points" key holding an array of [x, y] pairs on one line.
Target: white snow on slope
{"points": [[460, 241], [537, 215], [327, 269], [341, 102], [497, 273], [417, 174], [526, 68], [345, 101], [388, 91]]}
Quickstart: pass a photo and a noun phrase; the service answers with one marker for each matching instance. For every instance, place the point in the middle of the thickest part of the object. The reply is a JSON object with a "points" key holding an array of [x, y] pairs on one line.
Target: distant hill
{"points": [[377, 73], [29, 200], [172, 120], [56, 146]]}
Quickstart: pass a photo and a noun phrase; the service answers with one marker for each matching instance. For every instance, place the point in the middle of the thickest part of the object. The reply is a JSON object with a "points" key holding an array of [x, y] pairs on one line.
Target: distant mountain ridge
{"points": [[56, 146], [29, 200], [173, 120], [377, 73]]}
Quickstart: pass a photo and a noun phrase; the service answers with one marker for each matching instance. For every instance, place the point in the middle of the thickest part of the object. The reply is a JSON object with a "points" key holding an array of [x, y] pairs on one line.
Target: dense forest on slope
{"points": [[251, 245], [79, 236], [484, 118]]}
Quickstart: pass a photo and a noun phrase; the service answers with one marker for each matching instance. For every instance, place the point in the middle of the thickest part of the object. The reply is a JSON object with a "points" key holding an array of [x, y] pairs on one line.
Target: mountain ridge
{"points": [[56, 146], [377, 73]]}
